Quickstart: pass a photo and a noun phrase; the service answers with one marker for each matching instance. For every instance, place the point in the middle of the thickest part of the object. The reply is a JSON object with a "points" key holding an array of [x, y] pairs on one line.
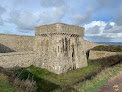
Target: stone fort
{"points": [[56, 47]]}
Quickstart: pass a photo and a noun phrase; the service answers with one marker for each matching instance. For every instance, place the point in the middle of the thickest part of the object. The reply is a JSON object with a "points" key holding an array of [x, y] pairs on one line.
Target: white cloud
{"points": [[1, 21], [100, 4], [101, 31], [25, 15], [80, 19], [109, 25], [23, 20], [26, 21], [118, 17], [50, 12], [102, 24], [113, 29], [50, 3], [2, 11]]}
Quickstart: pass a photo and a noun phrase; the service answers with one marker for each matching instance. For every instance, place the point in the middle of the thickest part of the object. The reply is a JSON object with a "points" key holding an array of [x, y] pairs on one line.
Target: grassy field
{"points": [[37, 79], [100, 79], [5, 86], [47, 81], [108, 48]]}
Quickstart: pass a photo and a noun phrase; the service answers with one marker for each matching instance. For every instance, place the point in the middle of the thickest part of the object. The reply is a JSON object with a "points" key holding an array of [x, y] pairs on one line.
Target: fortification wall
{"points": [[101, 54], [20, 59], [57, 47], [89, 45], [12, 43]]}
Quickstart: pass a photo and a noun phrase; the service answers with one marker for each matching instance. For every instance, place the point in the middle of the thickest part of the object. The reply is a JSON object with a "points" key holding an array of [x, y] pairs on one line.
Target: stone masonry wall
{"points": [[89, 45], [59, 28], [60, 53], [61, 47], [13, 59], [101, 54], [12, 43], [57, 47]]}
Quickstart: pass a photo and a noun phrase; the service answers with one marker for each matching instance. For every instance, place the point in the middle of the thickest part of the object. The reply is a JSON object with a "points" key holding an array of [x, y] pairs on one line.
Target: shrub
{"points": [[108, 48]]}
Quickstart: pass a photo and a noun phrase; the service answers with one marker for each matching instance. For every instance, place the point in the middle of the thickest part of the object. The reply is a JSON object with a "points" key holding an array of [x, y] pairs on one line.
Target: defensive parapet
{"points": [[60, 47], [59, 28]]}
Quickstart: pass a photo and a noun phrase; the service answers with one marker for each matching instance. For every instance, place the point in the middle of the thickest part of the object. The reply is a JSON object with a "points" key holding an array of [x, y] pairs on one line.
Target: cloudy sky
{"points": [[102, 19]]}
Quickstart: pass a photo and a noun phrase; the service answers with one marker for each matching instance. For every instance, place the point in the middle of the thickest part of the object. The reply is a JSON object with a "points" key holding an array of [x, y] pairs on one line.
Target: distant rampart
{"points": [[89, 45], [101, 54], [16, 59], [16, 43]]}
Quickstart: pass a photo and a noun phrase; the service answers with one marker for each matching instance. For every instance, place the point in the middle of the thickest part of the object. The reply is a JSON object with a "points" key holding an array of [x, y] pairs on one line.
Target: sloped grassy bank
{"points": [[5, 86], [35, 79], [47, 81], [108, 48], [91, 82], [100, 79], [88, 79]]}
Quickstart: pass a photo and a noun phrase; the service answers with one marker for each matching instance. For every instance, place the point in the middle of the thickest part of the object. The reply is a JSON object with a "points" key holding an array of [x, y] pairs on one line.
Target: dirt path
{"points": [[112, 85]]}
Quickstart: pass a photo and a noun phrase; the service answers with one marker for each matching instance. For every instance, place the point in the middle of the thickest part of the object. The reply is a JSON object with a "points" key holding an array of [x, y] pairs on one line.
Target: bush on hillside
{"points": [[108, 48]]}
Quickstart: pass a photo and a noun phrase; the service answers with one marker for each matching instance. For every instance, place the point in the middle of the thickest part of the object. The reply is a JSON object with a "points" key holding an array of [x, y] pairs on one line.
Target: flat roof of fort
{"points": [[59, 28]]}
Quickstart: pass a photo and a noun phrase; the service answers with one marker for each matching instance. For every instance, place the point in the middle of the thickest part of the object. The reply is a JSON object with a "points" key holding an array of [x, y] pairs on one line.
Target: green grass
{"points": [[108, 48], [99, 80], [47, 81], [38, 74], [5, 86], [64, 79]]}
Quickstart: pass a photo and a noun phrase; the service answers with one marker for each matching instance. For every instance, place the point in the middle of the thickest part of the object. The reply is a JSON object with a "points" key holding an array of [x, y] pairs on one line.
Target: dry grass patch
{"points": [[99, 80], [5, 86]]}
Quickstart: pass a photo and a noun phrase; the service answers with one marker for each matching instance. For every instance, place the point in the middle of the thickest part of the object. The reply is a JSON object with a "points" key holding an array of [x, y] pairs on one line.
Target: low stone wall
{"points": [[16, 43], [101, 54], [20, 59]]}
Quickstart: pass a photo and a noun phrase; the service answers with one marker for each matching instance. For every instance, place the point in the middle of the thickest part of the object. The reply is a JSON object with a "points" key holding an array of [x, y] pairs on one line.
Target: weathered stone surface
{"points": [[89, 45], [56, 47], [59, 28], [101, 54], [13, 43], [14, 59], [60, 50]]}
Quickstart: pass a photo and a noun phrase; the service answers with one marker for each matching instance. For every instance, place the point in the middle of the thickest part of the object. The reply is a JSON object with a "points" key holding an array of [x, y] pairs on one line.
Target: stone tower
{"points": [[60, 47]]}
